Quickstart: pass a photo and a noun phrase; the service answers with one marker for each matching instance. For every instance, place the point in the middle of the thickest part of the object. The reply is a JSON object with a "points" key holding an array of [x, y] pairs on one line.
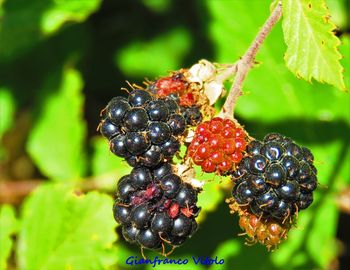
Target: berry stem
{"points": [[242, 67]]}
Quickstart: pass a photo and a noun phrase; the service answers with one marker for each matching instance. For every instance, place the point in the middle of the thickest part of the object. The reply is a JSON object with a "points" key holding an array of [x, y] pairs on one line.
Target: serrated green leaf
{"points": [[67, 11], [25, 23], [312, 47], [270, 84], [8, 226], [68, 231], [153, 58], [57, 138]]}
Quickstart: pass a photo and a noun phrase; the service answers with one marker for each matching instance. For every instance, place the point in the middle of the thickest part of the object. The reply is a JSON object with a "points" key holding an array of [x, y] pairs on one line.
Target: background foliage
{"points": [[60, 63]]}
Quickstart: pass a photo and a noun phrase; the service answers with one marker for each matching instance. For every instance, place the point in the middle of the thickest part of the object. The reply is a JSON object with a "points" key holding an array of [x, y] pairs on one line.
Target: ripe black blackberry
{"points": [[154, 207], [143, 129], [276, 178]]}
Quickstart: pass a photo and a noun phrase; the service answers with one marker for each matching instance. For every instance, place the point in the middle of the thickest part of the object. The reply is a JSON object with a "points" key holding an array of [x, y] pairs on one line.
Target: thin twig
{"points": [[247, 61]]}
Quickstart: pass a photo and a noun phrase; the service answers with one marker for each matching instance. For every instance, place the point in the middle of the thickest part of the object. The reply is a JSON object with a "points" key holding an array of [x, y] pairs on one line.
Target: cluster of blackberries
{"points": [[276, 178], [143, 129], [154, 206]]}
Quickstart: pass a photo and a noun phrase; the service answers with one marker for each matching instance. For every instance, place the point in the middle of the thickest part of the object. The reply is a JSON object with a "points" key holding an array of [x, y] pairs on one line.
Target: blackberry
{"points": [[155, 207], [143, 129], [275, 179]]}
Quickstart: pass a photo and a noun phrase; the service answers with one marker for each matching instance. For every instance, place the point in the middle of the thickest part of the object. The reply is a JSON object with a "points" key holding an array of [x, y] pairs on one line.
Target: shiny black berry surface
{"points": [[143, 129], [276, 178], [155, 207]]}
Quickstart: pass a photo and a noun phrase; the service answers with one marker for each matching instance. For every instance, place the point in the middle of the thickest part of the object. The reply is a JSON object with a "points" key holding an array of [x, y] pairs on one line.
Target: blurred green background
{"points": [[61, 61]]}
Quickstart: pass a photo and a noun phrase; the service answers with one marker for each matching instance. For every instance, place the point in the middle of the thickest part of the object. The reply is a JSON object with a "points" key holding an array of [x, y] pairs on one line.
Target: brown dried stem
{"points": [[242, 67]]}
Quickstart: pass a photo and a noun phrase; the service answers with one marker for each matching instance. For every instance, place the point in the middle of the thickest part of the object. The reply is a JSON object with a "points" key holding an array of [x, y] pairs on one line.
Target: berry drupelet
{"points": [[154, 207], [143, 129]]}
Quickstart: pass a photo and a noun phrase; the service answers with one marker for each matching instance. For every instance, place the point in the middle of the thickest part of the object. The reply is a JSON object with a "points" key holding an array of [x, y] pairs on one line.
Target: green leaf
{"points": [[316, 116], [8, 226], [68, 231], [7, 108], [270, 87], [154, 57], [67, 11], [56, 142], [104, 162], [159, 6], [312, 47], [25, 23]]}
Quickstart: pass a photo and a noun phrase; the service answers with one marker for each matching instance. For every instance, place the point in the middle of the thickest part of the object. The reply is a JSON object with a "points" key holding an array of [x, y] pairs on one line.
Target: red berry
{"points": [[216, 141], [202, 127], [215, 125], [228, 132], [229, 146], [225, 166], [236, 156], [240, 133], [240, 144], [203, 151], [217, 157], [217, 145], [208, 166], [229, 124]]}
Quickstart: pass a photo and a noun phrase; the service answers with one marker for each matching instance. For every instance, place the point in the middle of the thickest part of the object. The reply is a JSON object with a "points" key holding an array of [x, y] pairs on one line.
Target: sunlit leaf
{"points": [[57, 138], [155, 57], [25, 23], [67, 11], [103, 161], [68, 231], [312, 47], [7, 107], [8, 226]]}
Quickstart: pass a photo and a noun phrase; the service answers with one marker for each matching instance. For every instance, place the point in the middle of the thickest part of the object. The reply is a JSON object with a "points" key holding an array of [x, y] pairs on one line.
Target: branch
{"points": [[246, 62]]}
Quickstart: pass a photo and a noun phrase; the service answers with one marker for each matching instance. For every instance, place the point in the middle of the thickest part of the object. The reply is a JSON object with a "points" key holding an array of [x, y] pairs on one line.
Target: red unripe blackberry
{"points": [[168, 85], [275, 179], [155, 207], [218, 145], [143, 129]]}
